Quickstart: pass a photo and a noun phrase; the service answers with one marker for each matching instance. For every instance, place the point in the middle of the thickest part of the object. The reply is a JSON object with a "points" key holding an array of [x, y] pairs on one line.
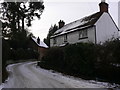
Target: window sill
{"points": [[65, 41], [83, 38]]}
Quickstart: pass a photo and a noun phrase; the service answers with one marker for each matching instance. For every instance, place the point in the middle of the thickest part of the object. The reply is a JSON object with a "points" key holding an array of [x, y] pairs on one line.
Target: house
{"points": [[96, 28], [39, 46]]}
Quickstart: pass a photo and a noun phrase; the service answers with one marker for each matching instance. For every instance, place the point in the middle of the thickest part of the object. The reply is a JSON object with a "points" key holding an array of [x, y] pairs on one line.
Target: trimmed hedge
{"points": [[86, 60]]}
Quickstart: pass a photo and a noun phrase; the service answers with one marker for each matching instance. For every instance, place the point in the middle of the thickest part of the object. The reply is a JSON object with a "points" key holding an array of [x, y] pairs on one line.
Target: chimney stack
{"points": [[38, 40], [103, 6], [61, 23]]}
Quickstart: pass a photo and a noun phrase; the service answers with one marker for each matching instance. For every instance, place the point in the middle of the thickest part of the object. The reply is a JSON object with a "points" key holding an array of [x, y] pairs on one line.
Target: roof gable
{"points": [[111, 19], [81, 23]]}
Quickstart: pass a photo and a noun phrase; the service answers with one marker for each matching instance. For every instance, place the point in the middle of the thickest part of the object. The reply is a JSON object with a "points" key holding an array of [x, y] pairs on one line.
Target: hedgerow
{"points": [[86, 60]]}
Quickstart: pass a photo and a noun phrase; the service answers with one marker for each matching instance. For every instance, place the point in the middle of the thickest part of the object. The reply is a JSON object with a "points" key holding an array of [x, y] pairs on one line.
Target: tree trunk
{"points": [[23, 28], [13, 27], [18, 17], [23, 24], [14, 24], [18, 22]]}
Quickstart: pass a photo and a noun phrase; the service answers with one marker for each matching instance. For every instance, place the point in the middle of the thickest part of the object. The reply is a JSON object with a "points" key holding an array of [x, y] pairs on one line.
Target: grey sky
{"points": [[68, 10]]}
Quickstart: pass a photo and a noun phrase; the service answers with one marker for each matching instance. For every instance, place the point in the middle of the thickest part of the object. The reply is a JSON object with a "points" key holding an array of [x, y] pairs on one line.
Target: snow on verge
{"points": [[77, 82], [65, 79]]}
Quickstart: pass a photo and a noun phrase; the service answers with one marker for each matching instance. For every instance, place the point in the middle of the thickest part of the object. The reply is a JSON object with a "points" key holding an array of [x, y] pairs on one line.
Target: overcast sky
{"points": [[68, 10]]}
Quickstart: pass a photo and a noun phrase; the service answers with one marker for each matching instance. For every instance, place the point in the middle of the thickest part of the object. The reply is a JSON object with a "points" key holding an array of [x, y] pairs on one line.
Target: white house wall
{"points": [[91, 34], [51, 42], [73, 37], [59, 41], [105, 28]]}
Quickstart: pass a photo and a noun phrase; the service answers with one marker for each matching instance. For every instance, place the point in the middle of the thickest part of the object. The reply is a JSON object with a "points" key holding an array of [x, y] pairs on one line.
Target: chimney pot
{"points": [[102, 0]]}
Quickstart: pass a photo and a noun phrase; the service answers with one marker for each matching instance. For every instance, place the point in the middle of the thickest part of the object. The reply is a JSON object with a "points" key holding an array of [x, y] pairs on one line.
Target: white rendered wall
{"points": [[105, 28], [59, 41], [73, 37], [51, 42], [91, 35]]}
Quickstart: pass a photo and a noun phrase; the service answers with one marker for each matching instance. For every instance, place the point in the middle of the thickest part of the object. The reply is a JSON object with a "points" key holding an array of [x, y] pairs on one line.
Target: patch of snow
{"points": [[71, 25], [64, 32], [76, 82], [42, 44], [75, 24], [1, 86]]}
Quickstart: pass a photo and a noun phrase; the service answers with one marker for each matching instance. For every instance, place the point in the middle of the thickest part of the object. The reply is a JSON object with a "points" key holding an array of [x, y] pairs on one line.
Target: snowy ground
{"points": [[28, 75]]}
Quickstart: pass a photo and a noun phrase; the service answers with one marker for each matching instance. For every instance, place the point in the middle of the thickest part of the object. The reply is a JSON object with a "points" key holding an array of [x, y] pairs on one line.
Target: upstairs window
{"points": [[83, 34], [54, 41], [65, 38]]}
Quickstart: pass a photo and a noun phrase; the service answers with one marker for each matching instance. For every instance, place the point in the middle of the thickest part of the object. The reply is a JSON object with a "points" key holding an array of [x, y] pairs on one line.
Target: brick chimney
{"points": [[38, 40], [103, 6], [61, 23]]}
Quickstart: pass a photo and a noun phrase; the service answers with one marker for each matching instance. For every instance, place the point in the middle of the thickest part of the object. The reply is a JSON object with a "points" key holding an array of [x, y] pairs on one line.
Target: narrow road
{"points": [[28, 75]]}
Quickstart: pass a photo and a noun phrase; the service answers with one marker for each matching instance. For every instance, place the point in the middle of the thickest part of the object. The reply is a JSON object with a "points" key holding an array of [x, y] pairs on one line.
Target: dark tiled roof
{"points": [[81, 23]]}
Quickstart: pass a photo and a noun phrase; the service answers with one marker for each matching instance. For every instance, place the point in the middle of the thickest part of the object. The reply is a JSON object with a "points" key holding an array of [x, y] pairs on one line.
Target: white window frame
{"points": [[65, 38], [83, 34]]}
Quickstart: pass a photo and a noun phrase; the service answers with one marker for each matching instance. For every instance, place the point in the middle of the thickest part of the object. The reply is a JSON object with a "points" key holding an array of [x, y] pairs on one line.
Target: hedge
{"points": [[86, 60]]}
